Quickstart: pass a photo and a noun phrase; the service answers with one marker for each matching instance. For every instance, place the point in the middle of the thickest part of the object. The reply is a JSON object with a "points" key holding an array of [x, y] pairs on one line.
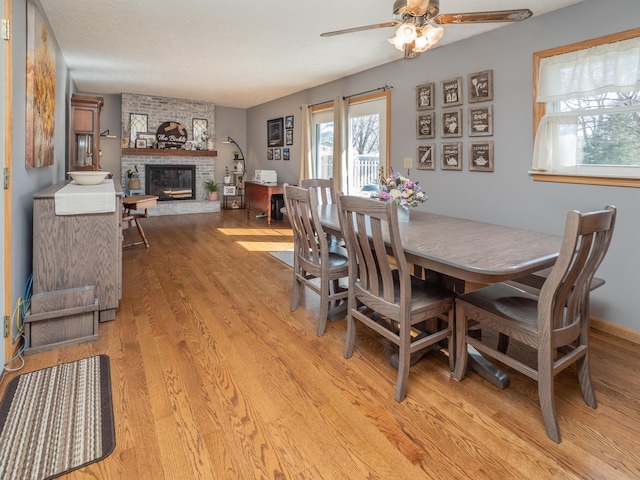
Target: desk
{"points": [[258, 195], [468, 251], [138, 202]]}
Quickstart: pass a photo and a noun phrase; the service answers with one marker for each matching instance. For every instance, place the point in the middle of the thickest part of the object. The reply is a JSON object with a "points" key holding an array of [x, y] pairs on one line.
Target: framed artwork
{"points": [[451, 123], [426, 155], [288, 122], [424, 96], [481, 156], [148, 136], [199, 128], [451, 91], [41, 91], [138, 123], [425, 125], [451, 156], [275, 132], [141, 143], [285, 154], [289, 137], [269, 153], [276, 154], [480, 85], [228, 190], [481, 121]]}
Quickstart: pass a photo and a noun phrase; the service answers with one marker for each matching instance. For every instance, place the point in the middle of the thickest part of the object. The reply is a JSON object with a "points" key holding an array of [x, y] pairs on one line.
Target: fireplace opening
{"points": [[171, 182]]}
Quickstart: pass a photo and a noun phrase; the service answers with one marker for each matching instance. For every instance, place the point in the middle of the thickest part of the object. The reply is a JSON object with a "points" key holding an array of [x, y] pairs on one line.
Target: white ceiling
{"points": [[235, 53]]}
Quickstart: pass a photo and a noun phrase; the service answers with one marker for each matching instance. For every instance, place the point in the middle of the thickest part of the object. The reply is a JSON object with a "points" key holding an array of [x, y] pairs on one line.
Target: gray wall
{"points": [[508, 196], [27, 182]]}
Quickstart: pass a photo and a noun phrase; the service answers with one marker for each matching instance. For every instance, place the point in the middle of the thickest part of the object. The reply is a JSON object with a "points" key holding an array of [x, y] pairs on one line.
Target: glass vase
{"points": [[403, 214]]}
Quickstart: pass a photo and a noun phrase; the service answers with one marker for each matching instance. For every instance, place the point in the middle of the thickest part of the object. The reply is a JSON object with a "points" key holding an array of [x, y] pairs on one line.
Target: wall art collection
{"points": [[479, 123]]}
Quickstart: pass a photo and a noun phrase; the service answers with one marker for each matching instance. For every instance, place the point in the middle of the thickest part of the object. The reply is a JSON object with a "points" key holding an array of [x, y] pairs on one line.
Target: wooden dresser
{"points": [[77, 251]]}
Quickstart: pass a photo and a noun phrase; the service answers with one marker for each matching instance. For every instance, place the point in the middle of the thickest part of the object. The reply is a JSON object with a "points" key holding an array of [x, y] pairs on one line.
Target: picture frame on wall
{"points": [[276, 154], [424, 96], [481, 121], [480, 86], [425, 125], [451, 156], [451, 92], [426, 156], [269, 154], [275, 132], [481, 156], [451, 123], [285, 154], [288, 122], [289, 137]]}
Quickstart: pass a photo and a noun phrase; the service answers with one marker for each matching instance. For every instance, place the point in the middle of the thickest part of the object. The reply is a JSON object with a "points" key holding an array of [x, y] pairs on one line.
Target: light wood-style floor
{"points": [[214, 378]]}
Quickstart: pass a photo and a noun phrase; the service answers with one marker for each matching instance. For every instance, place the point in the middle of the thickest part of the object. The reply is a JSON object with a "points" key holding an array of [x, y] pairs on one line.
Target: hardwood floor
{"points": [[213, 377]]}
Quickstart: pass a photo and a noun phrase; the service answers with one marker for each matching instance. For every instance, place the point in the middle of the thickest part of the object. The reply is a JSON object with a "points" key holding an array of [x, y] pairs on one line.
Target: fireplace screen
{"points": [[171, 182]]}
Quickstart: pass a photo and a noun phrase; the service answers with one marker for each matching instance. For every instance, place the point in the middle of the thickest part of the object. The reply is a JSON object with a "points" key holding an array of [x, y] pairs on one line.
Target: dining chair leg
{"points": [[451, 341], [546, 395], [404, 362], [324, 308], [350, 341], [584, 376], [295, 294], [503, 343], [461, 343]]}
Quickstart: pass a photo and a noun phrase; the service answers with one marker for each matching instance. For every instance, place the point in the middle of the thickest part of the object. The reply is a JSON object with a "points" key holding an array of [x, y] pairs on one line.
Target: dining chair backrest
{"points": [[310, 242], [563, 302], [366, 224], [324, 189]]}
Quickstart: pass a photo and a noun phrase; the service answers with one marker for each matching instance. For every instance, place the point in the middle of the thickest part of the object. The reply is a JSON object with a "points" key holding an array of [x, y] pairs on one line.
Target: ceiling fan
{"points": [[418, 23]]}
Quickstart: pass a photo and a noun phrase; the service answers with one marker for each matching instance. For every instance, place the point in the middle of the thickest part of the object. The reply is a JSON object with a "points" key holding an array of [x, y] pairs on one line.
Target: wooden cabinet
{"points": [[258, 196], [84, 126], [77, 251]]}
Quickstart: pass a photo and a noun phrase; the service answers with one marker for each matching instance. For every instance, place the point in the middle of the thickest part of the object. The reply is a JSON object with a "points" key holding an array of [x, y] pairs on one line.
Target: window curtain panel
{"points": [[306, 166], [340, 143], [590, 72], [614, 67]]}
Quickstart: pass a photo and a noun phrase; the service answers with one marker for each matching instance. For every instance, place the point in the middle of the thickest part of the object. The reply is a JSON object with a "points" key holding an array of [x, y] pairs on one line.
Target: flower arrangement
{"points": [[405, 192]]}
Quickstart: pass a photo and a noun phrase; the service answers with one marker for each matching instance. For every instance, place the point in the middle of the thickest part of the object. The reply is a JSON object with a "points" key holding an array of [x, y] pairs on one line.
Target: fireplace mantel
{"points": [[167, 152]]}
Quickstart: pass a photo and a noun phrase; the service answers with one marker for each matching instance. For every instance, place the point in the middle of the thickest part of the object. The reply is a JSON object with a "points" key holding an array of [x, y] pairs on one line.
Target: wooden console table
{"points": [[258, 195]]}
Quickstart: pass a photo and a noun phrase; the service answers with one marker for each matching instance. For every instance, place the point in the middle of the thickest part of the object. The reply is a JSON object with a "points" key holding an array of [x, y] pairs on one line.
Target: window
{"points": [[587, 112], [368, 141]]}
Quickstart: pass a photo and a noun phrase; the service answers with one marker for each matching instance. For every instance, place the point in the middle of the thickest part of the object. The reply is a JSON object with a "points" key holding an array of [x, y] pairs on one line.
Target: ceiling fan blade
{"points": [[484, 17], [358, 29]]}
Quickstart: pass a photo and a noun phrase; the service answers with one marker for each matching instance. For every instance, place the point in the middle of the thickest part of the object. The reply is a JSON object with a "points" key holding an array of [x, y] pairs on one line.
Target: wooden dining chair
{"points": [[555, 323], [382, 293], [324, 189], [312, 257]]}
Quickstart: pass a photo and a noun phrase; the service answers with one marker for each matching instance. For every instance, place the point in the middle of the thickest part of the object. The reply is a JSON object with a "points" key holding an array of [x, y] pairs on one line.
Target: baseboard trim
{"points": [[615, 330]]}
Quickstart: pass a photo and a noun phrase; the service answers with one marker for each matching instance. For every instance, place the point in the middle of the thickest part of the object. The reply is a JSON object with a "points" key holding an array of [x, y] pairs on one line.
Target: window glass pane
{"points": [[367, 131]]}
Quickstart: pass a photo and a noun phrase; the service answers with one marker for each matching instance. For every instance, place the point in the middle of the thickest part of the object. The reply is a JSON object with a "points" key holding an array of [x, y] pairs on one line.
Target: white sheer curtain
{"points": [[306, 165], [614, 67], [340, 143]]}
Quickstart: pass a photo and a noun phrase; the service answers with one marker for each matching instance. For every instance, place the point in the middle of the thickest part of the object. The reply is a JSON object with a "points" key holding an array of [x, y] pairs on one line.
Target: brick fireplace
{"points": [[158, 111]]}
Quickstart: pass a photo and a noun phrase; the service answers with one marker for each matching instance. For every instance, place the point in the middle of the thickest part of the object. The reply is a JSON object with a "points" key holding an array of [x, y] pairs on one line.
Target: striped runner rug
{"points": [[56, 420]]}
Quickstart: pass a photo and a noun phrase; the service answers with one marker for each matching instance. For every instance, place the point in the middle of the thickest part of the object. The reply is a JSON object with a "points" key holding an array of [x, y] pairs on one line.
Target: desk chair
{"points": [[382, 293], [131, 218], [312, 258], [555, 323]]}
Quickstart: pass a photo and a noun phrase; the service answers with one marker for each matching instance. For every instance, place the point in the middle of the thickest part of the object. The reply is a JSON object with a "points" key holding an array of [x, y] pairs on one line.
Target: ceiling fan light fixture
{"points": [[433, 34]]}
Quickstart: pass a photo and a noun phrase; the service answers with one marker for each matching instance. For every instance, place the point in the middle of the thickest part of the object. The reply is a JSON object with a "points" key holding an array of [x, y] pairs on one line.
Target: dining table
{"points": [[466, 253]]}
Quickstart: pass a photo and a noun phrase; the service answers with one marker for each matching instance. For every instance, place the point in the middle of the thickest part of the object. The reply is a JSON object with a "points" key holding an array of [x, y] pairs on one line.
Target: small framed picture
{"points": [[276, 154], [451, 123], [451, 156], [269, 153], [141, 143], [480, 85], [424, 96], [288, 137], [288, 122], [425, 125], [481, 156], [285, 154], [481, 121], [228, 190], [148, 136], [451, 91], [426, 156]]}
